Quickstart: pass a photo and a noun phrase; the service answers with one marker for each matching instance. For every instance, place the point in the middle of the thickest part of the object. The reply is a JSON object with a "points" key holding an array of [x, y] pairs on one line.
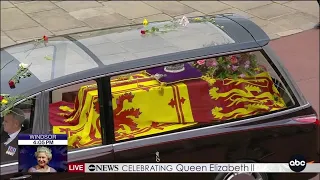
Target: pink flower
{"points": [[242, 75], [234, 68], [212, 62], [233, 60], [246, 66], [247, 63], [1, 98], [201, 62]]}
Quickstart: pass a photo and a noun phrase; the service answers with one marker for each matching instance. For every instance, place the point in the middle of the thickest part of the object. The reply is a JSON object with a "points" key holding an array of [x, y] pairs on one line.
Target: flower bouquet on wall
{"points": [[234, 66]]}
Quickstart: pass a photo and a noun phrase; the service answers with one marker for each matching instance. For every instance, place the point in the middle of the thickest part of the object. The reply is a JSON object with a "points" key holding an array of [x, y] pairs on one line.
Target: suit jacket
{"points": [[9, 152]]}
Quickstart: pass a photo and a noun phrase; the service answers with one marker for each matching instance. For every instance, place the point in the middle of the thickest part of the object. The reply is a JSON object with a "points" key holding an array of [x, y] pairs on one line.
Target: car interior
{"points": [[65, 103]]}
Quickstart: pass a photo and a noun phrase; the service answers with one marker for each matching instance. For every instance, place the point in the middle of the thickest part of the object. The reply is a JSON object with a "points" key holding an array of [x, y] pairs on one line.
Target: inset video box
{"points": [[43, 153]]}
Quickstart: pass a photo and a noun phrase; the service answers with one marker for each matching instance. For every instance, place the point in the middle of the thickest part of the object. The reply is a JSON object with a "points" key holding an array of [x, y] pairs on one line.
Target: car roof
{"points": [[81, 55]]}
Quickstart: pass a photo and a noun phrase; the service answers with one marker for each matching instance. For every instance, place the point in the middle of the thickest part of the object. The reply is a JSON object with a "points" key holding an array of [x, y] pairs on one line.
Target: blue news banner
{"points": [[43, 153]]}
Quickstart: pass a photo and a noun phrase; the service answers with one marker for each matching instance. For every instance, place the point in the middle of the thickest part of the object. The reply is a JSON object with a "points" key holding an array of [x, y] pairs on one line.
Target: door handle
{"points": [[22, 177]]}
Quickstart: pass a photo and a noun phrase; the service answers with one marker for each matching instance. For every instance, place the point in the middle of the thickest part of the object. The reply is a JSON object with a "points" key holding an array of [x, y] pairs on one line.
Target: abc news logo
{"points": [[103, 168], [297, 163]]}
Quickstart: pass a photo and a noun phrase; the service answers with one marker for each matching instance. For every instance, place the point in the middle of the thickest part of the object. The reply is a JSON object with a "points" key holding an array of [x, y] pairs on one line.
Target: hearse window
{"points": [[206, 91], [17, 120], [74, 110]]}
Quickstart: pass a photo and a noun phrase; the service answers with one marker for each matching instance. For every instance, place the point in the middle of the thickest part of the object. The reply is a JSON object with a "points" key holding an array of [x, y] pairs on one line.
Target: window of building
{"points": [[206, 91]]}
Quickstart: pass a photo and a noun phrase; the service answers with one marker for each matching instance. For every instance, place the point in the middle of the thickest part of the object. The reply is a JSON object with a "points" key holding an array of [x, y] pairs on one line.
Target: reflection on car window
{"points": [[74, 111], [16, 121], [205, 91], [127, 43]]}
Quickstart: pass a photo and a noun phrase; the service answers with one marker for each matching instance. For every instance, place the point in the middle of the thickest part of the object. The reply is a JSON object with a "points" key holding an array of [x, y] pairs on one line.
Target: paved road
{"points": [[300, 55], [25, 20]]}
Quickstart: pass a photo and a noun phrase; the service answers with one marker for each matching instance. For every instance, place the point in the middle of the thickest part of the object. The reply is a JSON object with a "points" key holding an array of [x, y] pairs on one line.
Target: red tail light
{"points": [[310, 119]]}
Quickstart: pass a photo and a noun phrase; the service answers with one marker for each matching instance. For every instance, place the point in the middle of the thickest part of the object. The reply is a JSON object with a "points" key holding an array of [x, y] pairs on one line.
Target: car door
{"points": [[9, 163], [154, 121], [88, 140], [83, 98]]}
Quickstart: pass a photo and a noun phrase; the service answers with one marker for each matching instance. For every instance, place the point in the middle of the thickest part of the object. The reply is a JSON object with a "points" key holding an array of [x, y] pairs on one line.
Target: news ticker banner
{"points": [[54, 147], [189, 168], [43, 139]]}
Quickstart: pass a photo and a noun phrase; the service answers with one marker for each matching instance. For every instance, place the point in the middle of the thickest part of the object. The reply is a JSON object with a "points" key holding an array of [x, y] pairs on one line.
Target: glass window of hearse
{"points": [[130, 66], [183, 60]]}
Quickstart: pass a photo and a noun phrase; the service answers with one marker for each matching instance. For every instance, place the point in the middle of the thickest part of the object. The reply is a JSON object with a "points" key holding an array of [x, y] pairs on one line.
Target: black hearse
{"points": [[203, 89]]}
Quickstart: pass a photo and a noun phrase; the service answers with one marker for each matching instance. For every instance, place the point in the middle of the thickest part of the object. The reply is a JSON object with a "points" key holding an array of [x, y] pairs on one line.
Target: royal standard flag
{"points": [[142, 106]]}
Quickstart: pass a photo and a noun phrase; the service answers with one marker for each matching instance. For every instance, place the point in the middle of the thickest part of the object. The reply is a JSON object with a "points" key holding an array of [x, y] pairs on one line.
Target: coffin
{"points": [[142, 105]]}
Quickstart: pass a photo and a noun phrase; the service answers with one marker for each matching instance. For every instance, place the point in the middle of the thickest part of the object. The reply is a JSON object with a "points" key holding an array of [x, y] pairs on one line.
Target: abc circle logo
{"points": [[91, 167], [297, 163]]}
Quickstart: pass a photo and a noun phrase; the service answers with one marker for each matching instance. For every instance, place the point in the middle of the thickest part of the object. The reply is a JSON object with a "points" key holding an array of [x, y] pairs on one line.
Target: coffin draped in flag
{"points": [[144, 106]]}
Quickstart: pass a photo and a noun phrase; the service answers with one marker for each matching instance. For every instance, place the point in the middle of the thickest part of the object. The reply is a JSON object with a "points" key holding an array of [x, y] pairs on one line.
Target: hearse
{"points": [[191, 90]]}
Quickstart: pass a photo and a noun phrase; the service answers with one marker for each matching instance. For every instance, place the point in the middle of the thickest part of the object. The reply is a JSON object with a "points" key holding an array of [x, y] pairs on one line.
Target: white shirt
{"points": [[12, 136]]}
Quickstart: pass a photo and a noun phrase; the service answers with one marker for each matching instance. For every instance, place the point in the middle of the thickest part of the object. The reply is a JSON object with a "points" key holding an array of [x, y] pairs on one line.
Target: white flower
{"points": [[158, 76], [184, 21], [23, 65]]}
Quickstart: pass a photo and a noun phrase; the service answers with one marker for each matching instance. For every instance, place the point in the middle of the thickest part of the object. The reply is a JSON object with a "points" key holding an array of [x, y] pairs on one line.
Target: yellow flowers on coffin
{"points": [[145, 22]]}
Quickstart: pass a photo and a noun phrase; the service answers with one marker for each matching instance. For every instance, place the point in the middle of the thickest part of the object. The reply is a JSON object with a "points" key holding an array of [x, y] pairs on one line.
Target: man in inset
{"points": [[12, 124]]}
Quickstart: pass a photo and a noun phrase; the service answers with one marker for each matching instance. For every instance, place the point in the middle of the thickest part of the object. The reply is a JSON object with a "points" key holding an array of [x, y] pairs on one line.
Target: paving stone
{"points": [[13, 18], [270, 11], [298, 20], [246, 5], [92, 40], [91, 12], [56, 20], [130, 35], [281, 2], [190, 15], [6, 41], [139, 45], [172, 8], [156, 52], [153, 18], [309, 7], [28, 33], [258, 21], [18, 2], [6, 4], [235, 11], [116, 58], [206, 7], [77, 5], [36, 6], [273, 36], [106, 49], [2, 33], [24, 41], [289, 32], [132, 9], [107, 21], [272, 28], [70, 31]]}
